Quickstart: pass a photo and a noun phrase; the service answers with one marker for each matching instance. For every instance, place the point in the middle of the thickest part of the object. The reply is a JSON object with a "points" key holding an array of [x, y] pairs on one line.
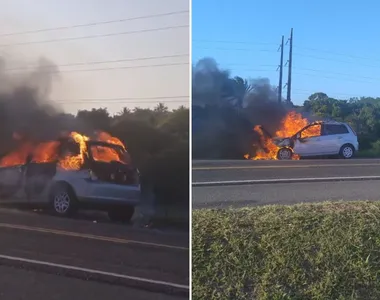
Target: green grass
{"points": [[368, 154], [307, 251]]}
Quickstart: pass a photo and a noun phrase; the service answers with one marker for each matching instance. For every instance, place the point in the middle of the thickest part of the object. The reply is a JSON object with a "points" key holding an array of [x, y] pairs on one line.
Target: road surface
{"points": [[63, 258], [245, 183]]}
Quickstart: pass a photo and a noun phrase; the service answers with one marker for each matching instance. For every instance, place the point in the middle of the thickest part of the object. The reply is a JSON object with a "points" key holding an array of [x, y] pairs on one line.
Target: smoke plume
{"points": [[25, 109], [226, 108]]}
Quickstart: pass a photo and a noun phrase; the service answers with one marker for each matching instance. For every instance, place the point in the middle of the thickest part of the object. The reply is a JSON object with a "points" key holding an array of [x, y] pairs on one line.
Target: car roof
{"points": [[328, 123]]}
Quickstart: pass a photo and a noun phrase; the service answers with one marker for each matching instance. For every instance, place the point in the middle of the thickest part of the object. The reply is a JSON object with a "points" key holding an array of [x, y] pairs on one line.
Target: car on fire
{"points": [[322, 138], [100, 177]]}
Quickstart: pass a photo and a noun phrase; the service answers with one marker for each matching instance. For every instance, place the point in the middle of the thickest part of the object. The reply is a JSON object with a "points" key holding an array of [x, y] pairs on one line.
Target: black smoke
{"points": [[225, 110], [25, 106]]}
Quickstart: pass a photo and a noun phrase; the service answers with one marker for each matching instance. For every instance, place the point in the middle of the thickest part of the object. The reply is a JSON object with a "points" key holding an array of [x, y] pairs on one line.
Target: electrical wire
{"points": [[93, 23]]}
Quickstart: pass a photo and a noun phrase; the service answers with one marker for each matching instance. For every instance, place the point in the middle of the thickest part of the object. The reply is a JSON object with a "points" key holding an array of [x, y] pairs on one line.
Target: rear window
{"points": [[352, 129], [109, 154], [331, 129]]}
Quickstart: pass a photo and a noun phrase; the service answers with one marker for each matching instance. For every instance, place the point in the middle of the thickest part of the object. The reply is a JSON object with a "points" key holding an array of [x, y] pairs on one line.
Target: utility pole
{"points": [[289, 84], [280, 67]]}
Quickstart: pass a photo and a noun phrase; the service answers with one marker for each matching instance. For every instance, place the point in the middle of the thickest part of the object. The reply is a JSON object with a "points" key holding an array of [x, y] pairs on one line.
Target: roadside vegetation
{"points": [[226, 108], [305, 251], [158, 141]]}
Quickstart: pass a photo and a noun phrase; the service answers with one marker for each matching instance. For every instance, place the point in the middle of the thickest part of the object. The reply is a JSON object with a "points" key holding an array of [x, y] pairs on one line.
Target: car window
{"points": [[331, 129], [70, 149], [109, 154], [314, 130]]}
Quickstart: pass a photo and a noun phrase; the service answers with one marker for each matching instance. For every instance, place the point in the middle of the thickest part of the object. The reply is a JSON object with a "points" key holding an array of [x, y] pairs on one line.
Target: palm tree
{"points": [[241, 88]]}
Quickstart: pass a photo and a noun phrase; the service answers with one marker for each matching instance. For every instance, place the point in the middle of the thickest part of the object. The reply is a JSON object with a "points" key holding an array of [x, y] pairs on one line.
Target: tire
{"points": [[284, 154], [62, 200], [123, 215], [347, 151]]}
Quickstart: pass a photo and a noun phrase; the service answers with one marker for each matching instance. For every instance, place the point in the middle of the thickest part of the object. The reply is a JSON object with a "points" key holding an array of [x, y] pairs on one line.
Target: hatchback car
{"points": [[320, 139]]}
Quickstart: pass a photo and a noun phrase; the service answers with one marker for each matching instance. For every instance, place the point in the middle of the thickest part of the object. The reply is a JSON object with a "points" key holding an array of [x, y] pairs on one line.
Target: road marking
{"points": [[88, 236], [281, 166], [97, 272], [284, 180]]}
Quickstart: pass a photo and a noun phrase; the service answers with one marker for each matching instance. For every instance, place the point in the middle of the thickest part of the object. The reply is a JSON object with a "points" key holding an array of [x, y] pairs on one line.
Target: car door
{"points": [[308, 141], [11, 182], [333, 137]]}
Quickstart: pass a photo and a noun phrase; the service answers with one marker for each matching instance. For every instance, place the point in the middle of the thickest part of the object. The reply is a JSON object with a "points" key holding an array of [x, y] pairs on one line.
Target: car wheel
{"points": [[63, 201], [284, 153], [347, 151], [123, 215]]}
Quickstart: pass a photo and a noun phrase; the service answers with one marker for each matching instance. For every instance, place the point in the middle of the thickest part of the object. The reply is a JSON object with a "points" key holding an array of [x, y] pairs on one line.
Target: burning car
{"points": [[73, 172], [298, 138]]}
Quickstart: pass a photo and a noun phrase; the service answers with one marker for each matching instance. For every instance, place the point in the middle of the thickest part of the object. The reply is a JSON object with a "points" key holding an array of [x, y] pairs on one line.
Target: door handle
{"points": [[339, 137]]}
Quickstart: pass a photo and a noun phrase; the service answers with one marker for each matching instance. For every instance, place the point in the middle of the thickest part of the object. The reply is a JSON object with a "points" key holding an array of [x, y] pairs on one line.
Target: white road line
{"points": [[283, 166], [74, 268], [284, 180], [88, 236]]}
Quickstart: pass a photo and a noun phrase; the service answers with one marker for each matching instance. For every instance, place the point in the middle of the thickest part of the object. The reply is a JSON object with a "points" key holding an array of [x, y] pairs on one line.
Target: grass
{"points": [[307, 251], [368, 154]]}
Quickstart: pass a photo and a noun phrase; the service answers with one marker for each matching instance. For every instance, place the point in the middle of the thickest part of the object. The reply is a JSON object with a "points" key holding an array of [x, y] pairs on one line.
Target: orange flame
{"points": [[48, 152], [45, 152], [290, 125], [106, 137], [17, 157], [106, 154], [75, 162]]}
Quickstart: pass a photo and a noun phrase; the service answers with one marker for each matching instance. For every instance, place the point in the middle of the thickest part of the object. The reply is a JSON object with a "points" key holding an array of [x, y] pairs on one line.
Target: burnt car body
{"points": [[326, 138], [113, 186]]}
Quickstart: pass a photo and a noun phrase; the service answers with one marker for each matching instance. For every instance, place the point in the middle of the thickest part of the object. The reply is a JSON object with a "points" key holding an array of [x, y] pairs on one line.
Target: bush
{"points": [[307, 251], [160, 149]]}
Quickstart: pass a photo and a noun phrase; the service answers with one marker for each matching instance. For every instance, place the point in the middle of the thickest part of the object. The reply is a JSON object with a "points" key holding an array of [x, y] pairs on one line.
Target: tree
{"points": [[241, 89]]}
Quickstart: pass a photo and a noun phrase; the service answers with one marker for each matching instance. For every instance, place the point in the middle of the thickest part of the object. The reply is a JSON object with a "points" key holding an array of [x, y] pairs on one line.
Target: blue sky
{"points": [[127, 79], [335, 50]]}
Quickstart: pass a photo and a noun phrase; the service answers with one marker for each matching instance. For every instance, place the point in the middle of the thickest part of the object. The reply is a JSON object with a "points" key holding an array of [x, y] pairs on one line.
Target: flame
{"points": [[106, 137], [17, 157], [47, 152], [290, 125], [106, 154], [74, 162]]}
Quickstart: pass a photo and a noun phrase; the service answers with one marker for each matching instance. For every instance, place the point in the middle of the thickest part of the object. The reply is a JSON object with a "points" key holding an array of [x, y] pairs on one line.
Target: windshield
{"points": [[108, 154]]}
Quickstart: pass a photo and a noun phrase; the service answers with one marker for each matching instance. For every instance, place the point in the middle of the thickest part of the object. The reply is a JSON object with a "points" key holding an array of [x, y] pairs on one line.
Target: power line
{"points": [[296, 54], [302, 92], [126, 100], [115, 68], [302, 69], [97, 62], [296, 47], [94, 23], [236, 49], [231, 42], [330, 77], [95, 36]]}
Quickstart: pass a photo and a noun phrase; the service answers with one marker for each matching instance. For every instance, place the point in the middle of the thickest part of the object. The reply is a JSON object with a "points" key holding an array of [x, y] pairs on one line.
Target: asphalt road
{"points": [[63, 258], [206, 171], [22, 284], [232, 191]]}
